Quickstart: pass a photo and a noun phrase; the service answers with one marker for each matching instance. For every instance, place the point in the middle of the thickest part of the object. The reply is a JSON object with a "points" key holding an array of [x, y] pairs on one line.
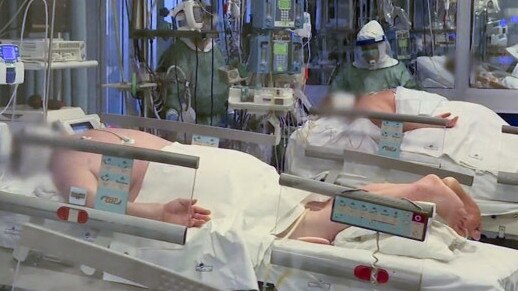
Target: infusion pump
{"points": [[69, 120], [261, 99]]}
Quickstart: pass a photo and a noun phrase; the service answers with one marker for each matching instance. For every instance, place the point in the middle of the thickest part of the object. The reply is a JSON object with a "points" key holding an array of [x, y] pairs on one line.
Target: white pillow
{"points": [[440, 244]]}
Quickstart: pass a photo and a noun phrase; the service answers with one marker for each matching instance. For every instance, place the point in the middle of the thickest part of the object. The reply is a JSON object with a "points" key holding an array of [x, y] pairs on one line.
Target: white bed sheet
{"points": [[488, 268]]}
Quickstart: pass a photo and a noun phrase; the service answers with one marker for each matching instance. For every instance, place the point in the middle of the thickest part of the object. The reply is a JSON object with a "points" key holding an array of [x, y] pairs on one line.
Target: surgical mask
{"points": [[371, 55]]}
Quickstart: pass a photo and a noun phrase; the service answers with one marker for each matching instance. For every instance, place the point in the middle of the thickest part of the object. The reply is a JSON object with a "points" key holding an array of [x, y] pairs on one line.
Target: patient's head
{"points": [[27, 159], [340, 100]]}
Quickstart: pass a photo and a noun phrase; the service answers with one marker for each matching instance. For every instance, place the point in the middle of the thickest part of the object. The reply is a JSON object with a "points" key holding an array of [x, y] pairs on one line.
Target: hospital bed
{"points": [[296, 265], [495, 194], [58, 246], [276, 273]]}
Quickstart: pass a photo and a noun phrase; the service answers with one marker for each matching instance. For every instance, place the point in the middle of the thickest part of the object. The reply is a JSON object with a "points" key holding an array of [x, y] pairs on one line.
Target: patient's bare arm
{"points": [[385, 101], [179, 211], [77, 169]]}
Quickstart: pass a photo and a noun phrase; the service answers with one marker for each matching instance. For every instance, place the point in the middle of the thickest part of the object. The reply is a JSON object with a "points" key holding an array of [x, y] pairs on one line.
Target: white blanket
{"points": [[246, 201], [476, 142], [441, 243]]}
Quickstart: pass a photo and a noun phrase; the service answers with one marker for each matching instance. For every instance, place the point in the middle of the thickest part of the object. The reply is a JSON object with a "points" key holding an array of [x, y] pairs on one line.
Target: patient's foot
{"points": [[474, 217], [429, 189], [449, 205]]}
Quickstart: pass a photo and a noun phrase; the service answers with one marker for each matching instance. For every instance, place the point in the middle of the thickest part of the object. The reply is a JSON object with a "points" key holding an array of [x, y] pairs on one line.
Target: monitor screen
{"points": [[9, 53], [81, 127]]}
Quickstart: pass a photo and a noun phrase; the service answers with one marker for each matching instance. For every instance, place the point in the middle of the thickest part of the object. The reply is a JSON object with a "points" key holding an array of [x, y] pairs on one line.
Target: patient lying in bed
{"points": [[77, 169]]}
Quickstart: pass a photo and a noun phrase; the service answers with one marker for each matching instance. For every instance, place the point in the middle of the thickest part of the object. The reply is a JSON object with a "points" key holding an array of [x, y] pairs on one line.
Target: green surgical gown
{"points": [[181, 55], [362, 81]]}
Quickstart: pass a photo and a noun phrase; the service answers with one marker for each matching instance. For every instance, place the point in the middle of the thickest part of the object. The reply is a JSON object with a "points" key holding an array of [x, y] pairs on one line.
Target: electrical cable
{"points": [[12, 100], [49, 63], [225, 31], [124, 139], [178, 88], [374, 265], [196, 85], [14, 17], [118, 39], [119, 53], [431, 28], [212, 85]]}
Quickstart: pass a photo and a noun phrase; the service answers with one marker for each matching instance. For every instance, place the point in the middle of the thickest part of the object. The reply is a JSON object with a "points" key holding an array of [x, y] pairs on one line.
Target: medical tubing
{"points": [[178, 88], [296, 224], [124, 139], [15, 277]]}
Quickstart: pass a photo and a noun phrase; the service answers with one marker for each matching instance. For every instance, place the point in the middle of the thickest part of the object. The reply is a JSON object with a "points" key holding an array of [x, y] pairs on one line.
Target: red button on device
{"points": [[364, 273], [68, 214]]}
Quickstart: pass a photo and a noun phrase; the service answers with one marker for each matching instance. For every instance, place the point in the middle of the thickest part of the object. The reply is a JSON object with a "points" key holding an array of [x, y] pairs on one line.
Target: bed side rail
{"points": [[507, 178], [78, 251], [188, 128], [384, 162], [120, 151], [104, 220], [401, 278], [434, 121]]}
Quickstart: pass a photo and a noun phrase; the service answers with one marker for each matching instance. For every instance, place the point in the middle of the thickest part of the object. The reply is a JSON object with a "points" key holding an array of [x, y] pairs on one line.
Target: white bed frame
{"points": [[37, 238]]}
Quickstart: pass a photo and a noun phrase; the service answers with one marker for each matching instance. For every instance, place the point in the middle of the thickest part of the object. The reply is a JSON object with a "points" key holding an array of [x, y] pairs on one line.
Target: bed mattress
{"points": [[487, 267]]}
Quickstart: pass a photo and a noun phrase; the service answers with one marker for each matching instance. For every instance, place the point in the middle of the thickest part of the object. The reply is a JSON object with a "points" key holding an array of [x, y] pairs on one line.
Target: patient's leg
{"points": [[430, 188]]}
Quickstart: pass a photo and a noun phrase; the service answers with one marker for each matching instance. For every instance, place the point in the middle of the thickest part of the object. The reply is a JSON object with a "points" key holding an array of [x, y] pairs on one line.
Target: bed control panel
{"points": [[382, 215]]}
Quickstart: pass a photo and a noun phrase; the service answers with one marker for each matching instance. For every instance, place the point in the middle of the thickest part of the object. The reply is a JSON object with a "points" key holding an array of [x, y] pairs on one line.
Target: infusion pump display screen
{"points": [[81, 127], [8, 53]]}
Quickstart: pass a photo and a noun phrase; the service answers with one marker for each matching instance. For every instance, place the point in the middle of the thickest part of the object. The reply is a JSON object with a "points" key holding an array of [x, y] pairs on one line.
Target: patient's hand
{"points": [[185, 212], [451, 122]]}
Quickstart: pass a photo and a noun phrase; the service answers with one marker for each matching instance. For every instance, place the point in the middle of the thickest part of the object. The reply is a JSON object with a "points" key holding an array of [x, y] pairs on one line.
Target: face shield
{"points": [[372, 48], [194, 16], [188, 15]]}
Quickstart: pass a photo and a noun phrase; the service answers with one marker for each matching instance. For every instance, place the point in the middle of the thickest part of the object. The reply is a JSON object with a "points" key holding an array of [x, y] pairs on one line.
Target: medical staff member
{"points": [[195, 62], [373, 69]]}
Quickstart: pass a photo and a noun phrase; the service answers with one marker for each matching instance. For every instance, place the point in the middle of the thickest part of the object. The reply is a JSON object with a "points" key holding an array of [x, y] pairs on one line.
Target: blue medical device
{"points": [[277, 14], [12, 70], [260, 54]]}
